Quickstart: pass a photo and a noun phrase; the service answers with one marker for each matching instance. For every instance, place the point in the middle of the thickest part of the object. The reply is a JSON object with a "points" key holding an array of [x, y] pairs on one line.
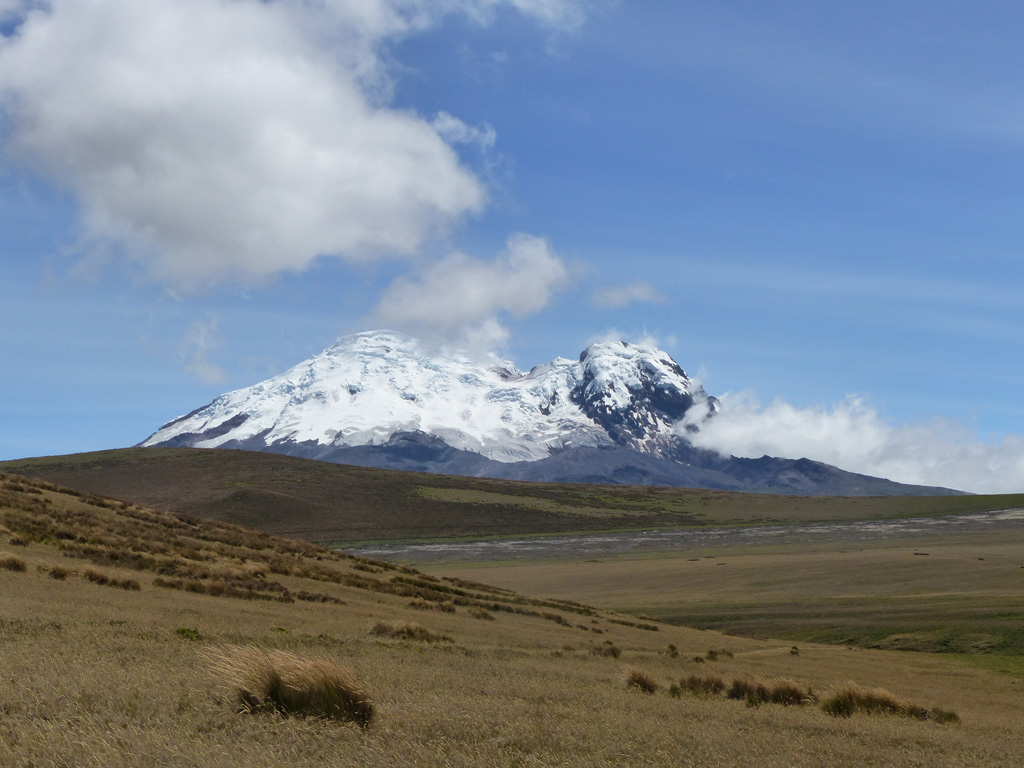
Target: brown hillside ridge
{"points": [[333, 504], [134, 637]]}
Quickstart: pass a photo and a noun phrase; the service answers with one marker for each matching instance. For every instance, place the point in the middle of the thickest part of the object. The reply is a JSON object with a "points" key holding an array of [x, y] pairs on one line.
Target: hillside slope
{"points": [[114, 616], [329, 503]]}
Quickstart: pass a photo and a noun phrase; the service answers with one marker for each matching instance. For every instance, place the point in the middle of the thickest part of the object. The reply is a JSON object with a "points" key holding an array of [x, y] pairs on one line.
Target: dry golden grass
{"points": [[708, 685], [103, 677], [407, 630], [278, 681], [12, 563], [851, 698], [785, 692], [640, 680]]}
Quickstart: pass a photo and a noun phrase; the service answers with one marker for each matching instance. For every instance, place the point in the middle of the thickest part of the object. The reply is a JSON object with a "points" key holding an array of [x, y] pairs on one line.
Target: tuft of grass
{"points": [[188, 633], [407, 630], [943, 715], [12, 563], [98, 577], [445, 606], [851, 698], [608, 648], [640, 680], [782, 691], [788, 693], [709, 685], [480, 613], [59, 573], [278, 681]]}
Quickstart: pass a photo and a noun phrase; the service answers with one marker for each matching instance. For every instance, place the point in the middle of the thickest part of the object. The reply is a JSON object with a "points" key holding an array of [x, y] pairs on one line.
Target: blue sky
{"points": [[817, 208]]}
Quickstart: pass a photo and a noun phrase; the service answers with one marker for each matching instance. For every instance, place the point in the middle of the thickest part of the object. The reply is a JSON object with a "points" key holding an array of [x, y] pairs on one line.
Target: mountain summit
{"points": [[369, 387], [619, 414]]}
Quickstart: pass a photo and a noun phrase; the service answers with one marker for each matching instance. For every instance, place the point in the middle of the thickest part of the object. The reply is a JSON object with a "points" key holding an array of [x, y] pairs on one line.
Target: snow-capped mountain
{"points": [[621, 413], [368, 387]]}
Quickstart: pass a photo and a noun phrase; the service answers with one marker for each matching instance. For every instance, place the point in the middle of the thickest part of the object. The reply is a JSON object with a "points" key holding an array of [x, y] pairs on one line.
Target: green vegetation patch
{"points": [[968, 625], [474, 496]]}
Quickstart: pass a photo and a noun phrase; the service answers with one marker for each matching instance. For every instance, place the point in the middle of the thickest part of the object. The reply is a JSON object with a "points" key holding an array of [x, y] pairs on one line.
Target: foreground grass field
{"points": [[332, 504], [113, 618]]}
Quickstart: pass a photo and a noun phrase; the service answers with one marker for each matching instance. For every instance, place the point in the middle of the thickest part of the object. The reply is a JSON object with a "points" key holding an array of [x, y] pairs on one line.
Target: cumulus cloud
{"points": [[236, 139], [852, 436], [621, 296], [464, 300]]}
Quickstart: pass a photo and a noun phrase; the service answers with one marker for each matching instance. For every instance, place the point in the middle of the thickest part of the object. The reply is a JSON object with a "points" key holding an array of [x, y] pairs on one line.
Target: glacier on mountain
{"points": [[621, 413], [370, 386]]}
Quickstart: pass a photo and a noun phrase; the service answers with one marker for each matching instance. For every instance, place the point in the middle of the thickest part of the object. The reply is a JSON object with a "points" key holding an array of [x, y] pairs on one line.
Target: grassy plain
{"points": [[943, 594], [116, 672], [333, 504]]}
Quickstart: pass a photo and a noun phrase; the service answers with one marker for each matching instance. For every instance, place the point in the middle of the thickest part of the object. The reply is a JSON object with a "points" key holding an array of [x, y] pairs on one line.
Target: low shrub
{"points": [[480, 613], [278, 681], [187, 633], [640, 680]]}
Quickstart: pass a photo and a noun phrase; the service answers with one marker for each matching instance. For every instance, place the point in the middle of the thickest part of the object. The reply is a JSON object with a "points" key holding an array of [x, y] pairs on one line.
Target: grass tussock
{"points": [[706, 685], [407, 630], [850, 699], [782, 691], [420, 604], [608, 648], [640, 680], [278, 681], [13, 563], [94, 576]]}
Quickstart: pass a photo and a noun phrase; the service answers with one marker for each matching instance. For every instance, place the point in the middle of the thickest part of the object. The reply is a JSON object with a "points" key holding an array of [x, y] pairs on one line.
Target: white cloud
{"points": [[454, 131], [202, 338], [851, 435], [462, 300], [233, 140], [641, 338], [623, 295]]}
